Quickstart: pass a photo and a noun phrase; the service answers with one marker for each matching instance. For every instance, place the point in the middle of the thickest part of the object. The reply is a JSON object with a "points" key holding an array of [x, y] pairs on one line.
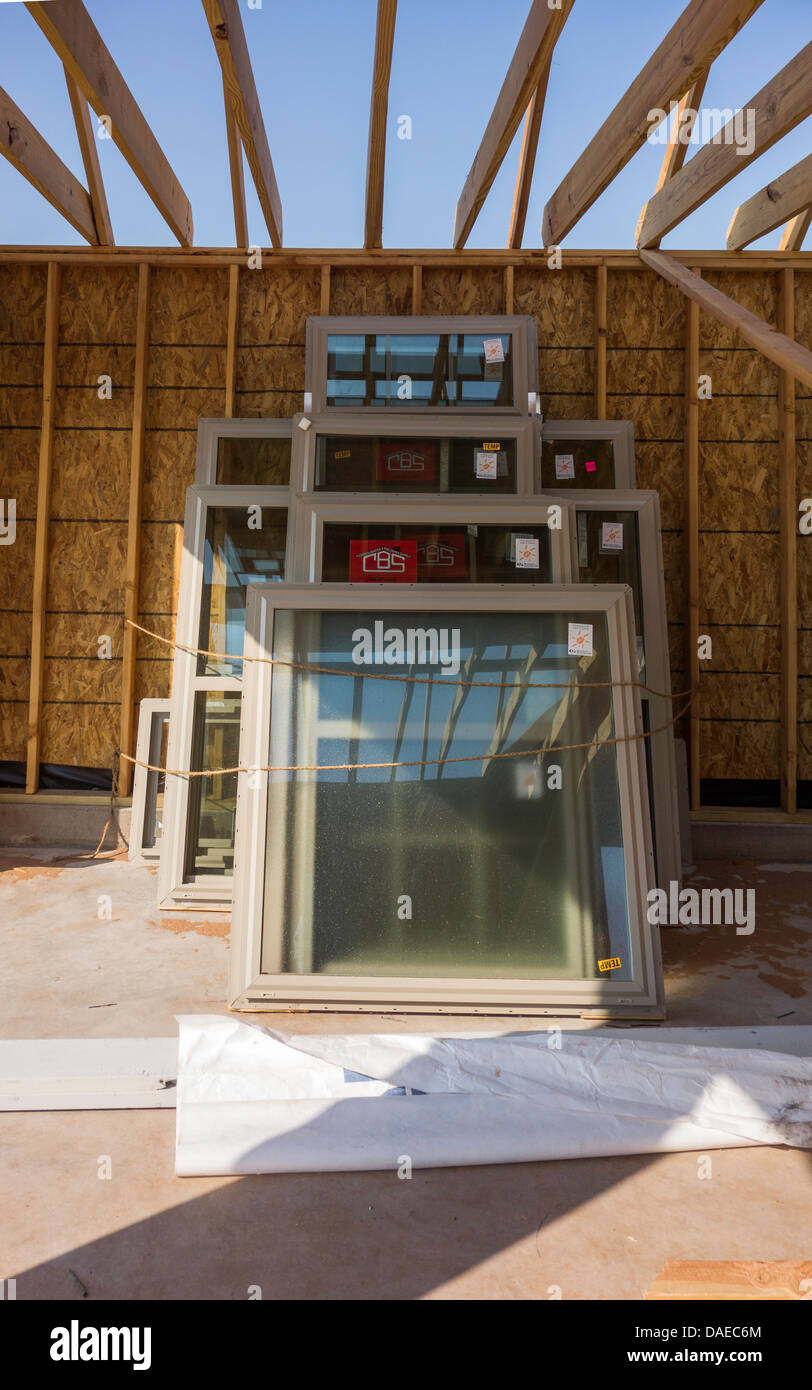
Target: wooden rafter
{"points": [[235, 167], [76, 40], [682, 130], [772, 113], [782, 350], [782, 199], [90, 159], [795, 231], [527, 161], [238, 79], [24, 147], [378, 112], [703, 29], [533, 54]]}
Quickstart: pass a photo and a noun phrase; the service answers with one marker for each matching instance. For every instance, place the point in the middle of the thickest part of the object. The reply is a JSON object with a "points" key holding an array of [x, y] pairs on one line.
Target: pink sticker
{"points": [[591, 468]]}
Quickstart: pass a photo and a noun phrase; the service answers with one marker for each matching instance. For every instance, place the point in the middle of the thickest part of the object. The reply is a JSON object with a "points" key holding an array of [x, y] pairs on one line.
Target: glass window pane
{"points": [[259, 462], [577, 463], [364, 463], [484, 868], [476, 554], [213, 800], [244, 545], [609, 553], [154, 800], [408, 370]]}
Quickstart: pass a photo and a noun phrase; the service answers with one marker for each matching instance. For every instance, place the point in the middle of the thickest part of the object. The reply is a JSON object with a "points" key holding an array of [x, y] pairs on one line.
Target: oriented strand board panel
{"points": [[645, 372], [758, 293], [272, 366], [72, 636], [361, 290], [567, 370], [19, 468], [744, 649], [17, 570], [91, 470], [274, 305], [188, 307], [662, 467], [659, 417], [94, 387], [741, 749], [13, 731], [738, 487], [739, 579], [88, 679], [567, 407], [153, 679], [736, 695], [273, 405], [643, 311], [14, 676], [97, 306], [22, 303], [77, 735], [445, 291], [86, 566], [180, 408], [159, 568], [169, 468], [20, 364]]}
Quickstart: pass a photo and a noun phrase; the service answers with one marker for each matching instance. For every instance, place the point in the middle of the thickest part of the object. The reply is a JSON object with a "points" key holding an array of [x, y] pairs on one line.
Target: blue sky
{"points": [[313, 62]]}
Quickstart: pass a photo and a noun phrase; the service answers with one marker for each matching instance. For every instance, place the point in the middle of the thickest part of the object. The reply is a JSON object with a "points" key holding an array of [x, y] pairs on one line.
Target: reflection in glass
{"points": [[408, 370], [213, 799], [257, 462], [451, 552], [360, 463], [244, 545], [609, 553], [577, 463], [498, 867], [154, 797]]}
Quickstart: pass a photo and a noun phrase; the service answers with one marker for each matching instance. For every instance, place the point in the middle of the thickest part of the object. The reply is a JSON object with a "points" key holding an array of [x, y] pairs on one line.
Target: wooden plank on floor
{"points": [[133, 562], [40, 588], [732, 1281]]}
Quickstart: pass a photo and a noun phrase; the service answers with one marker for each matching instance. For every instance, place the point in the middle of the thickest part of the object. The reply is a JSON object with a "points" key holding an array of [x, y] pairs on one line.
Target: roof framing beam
{"points": [[782, 199], [795, 231], [784, 351], [527, 162], [533, 54], [32, 156], [684, 122], [703, 29], [773, 112], [72, 34], [90, 159], [238, 80], [378, 112]]}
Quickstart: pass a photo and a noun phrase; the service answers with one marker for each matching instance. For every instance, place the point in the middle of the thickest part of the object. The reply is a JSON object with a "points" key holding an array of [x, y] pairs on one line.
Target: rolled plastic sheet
{"points": [[252, 1100]]}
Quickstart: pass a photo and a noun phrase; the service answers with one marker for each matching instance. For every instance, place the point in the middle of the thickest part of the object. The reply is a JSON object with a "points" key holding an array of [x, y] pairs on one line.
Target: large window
{"points": [[395, 364], [461, 826], [233, 537]]}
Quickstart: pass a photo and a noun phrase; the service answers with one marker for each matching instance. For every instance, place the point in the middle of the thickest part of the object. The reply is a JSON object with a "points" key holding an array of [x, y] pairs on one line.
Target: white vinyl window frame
{"points": [[251, 989], [524, 352], [311, 513], [211, 431], [152, 715], [177, 889], [651, 582], [369, 424], [620, 432]]}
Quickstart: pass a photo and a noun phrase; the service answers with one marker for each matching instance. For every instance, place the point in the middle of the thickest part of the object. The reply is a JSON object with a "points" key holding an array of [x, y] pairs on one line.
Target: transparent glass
{"points": [[418, 370], [491, 867], [244, 545], [577, 463], [213, 799], [452, 552], [364, 463], [258, 462], [154, 800]]}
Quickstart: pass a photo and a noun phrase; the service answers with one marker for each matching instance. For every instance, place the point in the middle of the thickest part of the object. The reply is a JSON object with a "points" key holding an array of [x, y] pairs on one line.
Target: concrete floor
{"points": [[593, 1228]]}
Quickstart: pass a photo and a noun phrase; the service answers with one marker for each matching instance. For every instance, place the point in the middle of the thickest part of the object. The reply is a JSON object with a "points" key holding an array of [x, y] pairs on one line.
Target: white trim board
{"points": [[141, 1073]]}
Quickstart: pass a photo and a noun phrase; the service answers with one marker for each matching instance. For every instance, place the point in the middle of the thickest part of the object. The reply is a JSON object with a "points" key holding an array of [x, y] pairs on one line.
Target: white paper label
{"points": [[526, 552], [579, 639], [565, 465], [494, 352], [486, 464], [612, 535]]}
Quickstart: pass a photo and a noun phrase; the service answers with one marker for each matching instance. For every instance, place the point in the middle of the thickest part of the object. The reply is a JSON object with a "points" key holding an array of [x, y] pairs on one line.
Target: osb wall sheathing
{"points": [[739, 462]]}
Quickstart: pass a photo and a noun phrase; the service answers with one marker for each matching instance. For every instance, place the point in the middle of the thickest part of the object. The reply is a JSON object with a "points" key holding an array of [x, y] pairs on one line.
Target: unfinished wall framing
{"points": [[633, 366]]}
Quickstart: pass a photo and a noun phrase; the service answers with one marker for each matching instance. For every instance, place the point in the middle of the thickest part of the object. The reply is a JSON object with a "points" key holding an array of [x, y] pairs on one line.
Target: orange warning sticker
{"points": [[491, 446], [612, 964]]}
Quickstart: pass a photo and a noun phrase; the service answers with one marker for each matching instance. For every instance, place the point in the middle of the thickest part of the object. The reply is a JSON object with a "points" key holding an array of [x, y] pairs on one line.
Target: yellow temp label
{"points": [[491, 446], [342, 454], [612, 964]]}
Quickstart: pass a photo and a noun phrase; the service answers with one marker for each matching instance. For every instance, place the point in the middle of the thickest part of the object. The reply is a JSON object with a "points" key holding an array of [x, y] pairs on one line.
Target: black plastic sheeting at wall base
{"points": [[734, 792], [54, 777]]}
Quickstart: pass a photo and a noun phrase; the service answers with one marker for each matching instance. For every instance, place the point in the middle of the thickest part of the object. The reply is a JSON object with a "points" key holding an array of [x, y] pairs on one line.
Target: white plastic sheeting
{"points": [[255, 1101]]}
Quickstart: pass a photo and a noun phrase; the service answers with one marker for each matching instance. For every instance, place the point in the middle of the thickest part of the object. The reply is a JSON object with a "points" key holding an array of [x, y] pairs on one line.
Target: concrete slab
{"points": [[593, 1229]]}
